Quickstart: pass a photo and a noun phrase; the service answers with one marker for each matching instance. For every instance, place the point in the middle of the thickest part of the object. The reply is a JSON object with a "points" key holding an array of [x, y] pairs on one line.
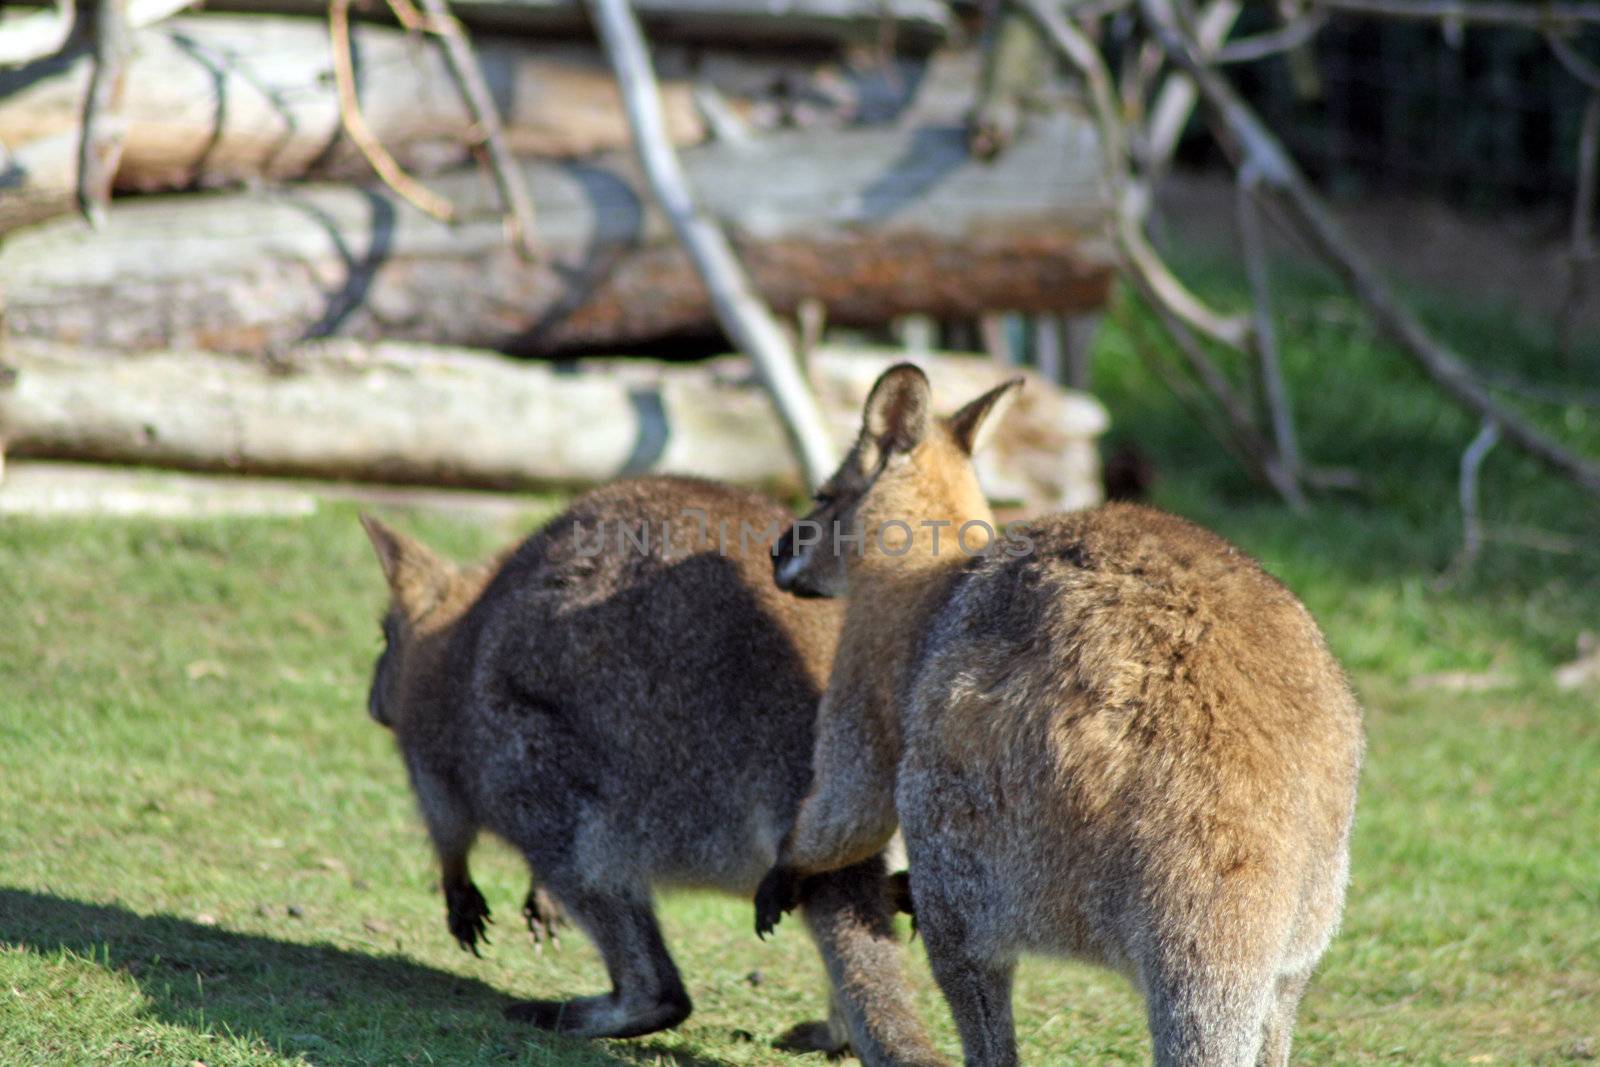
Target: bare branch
{"points": [[464, 68], [1243, 133], [1128, 201], [406, 187], [1169, 115], [739, 308], [100, 142], [1286, 38], [1264, 338], [1535, 16]]}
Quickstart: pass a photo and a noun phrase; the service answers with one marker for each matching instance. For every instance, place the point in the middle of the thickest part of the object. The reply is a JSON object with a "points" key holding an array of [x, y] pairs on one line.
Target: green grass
{"points": [[208, 852]]}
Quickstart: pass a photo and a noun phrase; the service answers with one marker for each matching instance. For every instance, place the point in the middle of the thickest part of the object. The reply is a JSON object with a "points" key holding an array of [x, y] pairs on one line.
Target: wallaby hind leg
{"points": [[647, 995], [850, 917], [1198, 1020], [976, 985], [1279, 1030]]}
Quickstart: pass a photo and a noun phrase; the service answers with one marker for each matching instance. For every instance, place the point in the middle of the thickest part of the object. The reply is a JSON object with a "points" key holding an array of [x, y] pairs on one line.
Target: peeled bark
{"points": [[872, 223], [422, 415]]}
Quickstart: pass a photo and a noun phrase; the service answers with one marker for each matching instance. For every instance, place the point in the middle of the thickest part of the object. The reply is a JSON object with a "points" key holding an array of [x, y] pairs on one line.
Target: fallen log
{"points": [[216, 100], [872, 223], [451, 417], [911, 24]]}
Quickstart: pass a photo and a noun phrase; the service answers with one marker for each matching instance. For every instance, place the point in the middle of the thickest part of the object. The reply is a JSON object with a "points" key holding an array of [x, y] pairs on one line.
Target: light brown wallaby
{"points": [[628, 701], [1111, 736]]}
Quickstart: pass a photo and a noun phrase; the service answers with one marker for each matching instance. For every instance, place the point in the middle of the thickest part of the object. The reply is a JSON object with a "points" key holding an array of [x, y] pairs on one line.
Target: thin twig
{"points": [[1574, 61], [1243, 133], [469, 77], [1264, 338], [101, 139], [1286, 38], [406, 187], [1471, 521], [1534, 16], [739, 307]]}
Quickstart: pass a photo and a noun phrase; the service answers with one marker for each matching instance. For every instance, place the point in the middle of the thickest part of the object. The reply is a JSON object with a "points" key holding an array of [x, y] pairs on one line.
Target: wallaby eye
{"points": [[823, 498]]}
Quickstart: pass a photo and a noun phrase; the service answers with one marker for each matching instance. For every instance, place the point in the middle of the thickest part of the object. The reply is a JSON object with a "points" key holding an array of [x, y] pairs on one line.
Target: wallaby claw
{"points": [[778, 893], [467, 916], [543, 916]]}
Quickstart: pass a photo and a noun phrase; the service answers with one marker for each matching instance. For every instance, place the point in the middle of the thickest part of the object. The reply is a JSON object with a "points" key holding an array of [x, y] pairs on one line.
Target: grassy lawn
{"points": [[208, 852]]}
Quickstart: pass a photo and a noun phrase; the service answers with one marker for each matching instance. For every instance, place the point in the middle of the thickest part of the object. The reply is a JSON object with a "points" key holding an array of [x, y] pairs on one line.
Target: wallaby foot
{"points": [[543, 915], [467, 914], [606, 1016], [819, 1035], [647, 994]]}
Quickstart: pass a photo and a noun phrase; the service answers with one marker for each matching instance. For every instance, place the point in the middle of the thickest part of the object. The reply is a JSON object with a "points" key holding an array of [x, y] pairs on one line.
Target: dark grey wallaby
{"points": [[628, 701]]}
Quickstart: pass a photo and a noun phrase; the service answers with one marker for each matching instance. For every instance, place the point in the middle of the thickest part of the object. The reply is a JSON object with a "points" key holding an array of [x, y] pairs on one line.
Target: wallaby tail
{"points": [[849, 915]]}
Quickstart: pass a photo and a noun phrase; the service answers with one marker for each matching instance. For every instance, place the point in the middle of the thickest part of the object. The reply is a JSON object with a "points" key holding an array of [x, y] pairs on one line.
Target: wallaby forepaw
{"points": [[468, 916], [544, 915], [778, 893]]}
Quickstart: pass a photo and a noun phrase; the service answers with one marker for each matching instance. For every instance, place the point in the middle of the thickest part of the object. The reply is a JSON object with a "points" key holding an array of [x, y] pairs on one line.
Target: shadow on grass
{"points": [[325, 1004]]}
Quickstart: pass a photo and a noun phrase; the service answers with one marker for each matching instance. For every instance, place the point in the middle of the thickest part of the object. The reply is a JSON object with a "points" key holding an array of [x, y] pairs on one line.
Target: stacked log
{"points": [[874, 223], [422, 415]]}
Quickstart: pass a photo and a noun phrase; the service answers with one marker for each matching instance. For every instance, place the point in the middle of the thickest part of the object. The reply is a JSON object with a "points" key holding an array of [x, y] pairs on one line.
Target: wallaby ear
{"points": [[897, 412], [415, 575], [974, 425]]}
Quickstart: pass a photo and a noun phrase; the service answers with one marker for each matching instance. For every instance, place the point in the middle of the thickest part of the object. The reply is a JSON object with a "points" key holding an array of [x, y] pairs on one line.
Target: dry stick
{"points": [[469, 76], [739, 308], [1176, 99], [1265, 335], [1129, 202], [1237, 126], [406, 187], [1534, 16], [100, 142], [1181, 312]]}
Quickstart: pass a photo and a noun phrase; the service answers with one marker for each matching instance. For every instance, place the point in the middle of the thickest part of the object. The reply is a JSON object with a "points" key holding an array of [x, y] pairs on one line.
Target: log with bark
{"points": [[433, 416], [872, 223], [913, 24], [215, 100]]}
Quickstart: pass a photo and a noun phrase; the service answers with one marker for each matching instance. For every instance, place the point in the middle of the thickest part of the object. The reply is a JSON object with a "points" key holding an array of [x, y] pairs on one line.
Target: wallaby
{"points": [[628, 701], [1111, 736]]}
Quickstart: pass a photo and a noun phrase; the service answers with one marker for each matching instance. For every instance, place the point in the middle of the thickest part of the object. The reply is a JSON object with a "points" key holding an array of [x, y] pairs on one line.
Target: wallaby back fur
{"points": [[1113, 737], [628, 700]]}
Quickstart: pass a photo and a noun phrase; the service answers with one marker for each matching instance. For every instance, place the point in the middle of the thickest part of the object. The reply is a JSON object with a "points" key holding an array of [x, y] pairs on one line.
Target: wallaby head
{"points": [[907, 480], [427, 593]]}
